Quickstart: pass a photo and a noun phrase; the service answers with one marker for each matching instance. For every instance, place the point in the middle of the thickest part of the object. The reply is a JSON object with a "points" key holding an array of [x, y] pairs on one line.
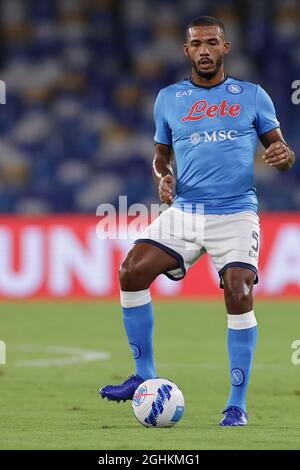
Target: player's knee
{"points": [[132, 276], [238, 289], [238, 292]]}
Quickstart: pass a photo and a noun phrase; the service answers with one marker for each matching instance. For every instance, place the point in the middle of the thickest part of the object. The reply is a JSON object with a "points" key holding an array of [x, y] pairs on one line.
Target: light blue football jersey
{"points": [[214, 134]]}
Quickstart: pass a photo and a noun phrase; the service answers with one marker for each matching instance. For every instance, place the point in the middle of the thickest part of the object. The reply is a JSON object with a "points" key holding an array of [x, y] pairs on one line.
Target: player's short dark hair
{"points": [[205, 21]]}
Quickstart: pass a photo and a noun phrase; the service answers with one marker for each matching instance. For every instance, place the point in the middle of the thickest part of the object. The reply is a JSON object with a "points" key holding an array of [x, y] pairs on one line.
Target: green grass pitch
{"points": [[55, 405]]}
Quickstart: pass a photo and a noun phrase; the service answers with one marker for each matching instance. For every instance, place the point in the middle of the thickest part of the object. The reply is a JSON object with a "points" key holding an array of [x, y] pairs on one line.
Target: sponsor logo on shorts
{"points": [[253, 255]]}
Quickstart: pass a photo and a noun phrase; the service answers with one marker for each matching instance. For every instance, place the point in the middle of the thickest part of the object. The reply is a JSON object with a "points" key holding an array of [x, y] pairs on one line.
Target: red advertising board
{"points": [[62, 257]]}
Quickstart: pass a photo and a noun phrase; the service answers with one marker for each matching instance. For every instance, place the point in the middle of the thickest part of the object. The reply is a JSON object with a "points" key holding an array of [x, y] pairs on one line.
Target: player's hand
{"points": [[165, 189], [277, 154]]}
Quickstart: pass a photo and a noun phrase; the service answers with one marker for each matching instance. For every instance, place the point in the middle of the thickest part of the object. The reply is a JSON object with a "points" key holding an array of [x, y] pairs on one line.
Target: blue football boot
{"points": [[124, 391], [234, 416]]}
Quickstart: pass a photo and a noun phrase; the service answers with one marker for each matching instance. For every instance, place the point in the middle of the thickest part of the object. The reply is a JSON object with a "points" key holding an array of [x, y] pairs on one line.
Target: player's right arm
{"points": [[162, 162], [163, 172]]}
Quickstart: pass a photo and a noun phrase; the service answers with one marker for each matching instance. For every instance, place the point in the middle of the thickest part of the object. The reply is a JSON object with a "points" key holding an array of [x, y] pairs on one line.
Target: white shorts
{"points": [[231, 240]]}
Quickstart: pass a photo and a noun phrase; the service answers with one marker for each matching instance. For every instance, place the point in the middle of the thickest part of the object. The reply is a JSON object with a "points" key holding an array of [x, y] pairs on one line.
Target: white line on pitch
{"points": [[73, 355]]}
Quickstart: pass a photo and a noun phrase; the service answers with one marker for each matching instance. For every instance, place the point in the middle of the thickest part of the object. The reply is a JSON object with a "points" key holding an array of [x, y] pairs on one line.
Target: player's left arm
{"points": [[278, 154]]}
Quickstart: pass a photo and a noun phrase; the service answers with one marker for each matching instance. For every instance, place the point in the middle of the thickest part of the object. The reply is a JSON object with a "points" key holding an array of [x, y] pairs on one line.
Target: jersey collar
{"points": [[208, 87]]}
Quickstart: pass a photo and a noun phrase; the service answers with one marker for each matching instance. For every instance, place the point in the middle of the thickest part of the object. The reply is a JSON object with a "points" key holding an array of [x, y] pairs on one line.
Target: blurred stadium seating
{"points": [[82, 76]]}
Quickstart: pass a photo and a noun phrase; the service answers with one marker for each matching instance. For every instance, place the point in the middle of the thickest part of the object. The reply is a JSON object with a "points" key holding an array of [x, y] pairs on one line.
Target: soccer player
{"points": [[211, 122]]}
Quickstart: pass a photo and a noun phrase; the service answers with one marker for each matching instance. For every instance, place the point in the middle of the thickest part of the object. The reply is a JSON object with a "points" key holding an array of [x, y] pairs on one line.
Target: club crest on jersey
{"points": [[201, 109], [234, 88]]}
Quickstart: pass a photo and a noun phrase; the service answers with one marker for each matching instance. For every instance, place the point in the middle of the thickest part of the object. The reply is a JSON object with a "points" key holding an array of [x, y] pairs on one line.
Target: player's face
{"points": [[206, 48]]}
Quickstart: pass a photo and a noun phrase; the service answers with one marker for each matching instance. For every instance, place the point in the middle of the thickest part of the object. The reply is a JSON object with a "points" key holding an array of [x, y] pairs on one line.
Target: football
{"points": [[158, 403]]}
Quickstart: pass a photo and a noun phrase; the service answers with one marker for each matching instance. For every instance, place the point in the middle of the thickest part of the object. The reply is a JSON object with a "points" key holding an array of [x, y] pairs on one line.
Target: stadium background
{"points": [[76, 131]]}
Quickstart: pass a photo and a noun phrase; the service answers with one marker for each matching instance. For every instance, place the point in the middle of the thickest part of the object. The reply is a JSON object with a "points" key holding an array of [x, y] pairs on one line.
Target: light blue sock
{"points": [[138, 321], [242, 334]]}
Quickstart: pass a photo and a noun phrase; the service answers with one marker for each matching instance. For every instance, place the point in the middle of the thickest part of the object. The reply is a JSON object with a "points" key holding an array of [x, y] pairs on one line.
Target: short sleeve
{"points": [[162, 131], [265, 119]]}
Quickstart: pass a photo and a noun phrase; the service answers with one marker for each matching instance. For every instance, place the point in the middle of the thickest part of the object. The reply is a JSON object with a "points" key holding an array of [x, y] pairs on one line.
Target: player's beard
{"points": [[211, 73]]}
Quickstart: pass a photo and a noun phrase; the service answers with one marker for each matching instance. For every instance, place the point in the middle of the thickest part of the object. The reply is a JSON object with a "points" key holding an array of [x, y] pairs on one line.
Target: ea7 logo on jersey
{"points": [[179, 94], [200, 109]]}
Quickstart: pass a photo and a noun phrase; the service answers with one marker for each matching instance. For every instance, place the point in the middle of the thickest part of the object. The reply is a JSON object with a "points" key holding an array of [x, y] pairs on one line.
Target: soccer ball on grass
{"points": [[158, 403]]}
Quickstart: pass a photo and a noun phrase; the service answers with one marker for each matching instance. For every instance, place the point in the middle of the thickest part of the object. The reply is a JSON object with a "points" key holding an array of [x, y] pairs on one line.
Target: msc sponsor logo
{"points": [[215, 136], [200, 109]]}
